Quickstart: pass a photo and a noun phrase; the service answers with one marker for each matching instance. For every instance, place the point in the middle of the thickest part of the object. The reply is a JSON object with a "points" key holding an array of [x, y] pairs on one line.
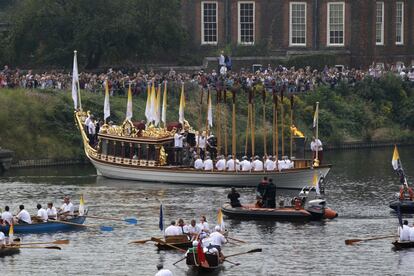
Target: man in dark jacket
{"points": [[234, 198], [270, 195]]}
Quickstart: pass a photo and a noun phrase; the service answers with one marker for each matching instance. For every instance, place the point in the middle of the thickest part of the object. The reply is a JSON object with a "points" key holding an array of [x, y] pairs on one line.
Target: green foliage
{"points": [[45, 32]]}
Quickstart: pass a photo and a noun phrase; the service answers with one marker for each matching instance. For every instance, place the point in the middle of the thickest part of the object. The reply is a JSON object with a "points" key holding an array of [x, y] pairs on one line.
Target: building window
{"points": [[297, 24], [246, 22], [336, 24], [399, 22], [379, 24], [208, 22]]}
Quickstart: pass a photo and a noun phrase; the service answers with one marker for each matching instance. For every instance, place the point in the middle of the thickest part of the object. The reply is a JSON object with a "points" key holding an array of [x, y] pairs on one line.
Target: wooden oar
{"points": [[242, 253], [167, 244], [52, 242], [352, 241], [128, 220], [180, 260], [234, 239], [141, 241], [70, 223], [39, 247], [231, 262]]}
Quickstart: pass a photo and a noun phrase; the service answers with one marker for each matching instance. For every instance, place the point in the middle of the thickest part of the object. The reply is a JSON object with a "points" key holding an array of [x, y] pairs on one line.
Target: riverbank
{"points": [[39, 124]]}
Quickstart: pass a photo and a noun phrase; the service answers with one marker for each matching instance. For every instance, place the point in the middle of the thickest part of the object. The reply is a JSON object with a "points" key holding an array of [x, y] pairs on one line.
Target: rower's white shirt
{"points": [[216, 238], [201, 142], [257, 165], [7, 216], [412, 233], [194, 230], [68, 208], [172, 230], [269, 165], [199, 164], [178, 140], [232, 166], [51, 212], [282, 165], [183, 230], [405, 233], [42, 214], [221, 164], [245, 165], [164, 272], [24, 216], [91, 128], [208, 165], [203, 227]]}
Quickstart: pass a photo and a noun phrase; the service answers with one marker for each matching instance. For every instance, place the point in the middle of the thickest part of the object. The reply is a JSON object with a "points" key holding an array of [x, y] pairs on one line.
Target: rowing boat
{"points": [[398, 245], [46, 227], [180, 241], [212, 260], [8, 250]]}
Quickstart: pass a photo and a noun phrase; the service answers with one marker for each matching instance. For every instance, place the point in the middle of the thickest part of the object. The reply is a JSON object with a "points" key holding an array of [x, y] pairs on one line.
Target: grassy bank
{"points": [[39, 124]]}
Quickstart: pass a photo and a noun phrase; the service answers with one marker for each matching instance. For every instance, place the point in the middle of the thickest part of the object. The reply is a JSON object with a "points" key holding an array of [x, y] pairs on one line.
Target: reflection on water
{"points": [[359, 188]]}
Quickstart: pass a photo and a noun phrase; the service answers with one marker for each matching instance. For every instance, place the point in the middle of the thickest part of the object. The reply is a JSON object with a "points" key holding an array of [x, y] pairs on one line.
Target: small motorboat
{"points": [[406, 206], [398, 245]]}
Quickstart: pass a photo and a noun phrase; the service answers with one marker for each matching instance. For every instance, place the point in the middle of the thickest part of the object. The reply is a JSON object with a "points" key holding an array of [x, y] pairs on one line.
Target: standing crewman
{"points": [[178, 148], [234, 198], [316, 146]]}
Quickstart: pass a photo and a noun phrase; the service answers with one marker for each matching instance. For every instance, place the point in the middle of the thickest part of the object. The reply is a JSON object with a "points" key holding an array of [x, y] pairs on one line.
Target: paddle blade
{"points": [[255, 250], [140, 241], [61, 242], [131, 221], [351, 242], [53, 247], [106, 228]]}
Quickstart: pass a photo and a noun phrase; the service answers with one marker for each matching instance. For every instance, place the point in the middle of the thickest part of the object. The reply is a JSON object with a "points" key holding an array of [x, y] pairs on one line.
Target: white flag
{"points": [[164, 105], [107, 109], [316, 115], [129, 104], [182, 106], [147, 106], [75, 80], [209, 111]]}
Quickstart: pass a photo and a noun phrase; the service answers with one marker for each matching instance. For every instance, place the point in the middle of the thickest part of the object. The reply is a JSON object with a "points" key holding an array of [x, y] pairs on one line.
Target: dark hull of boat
{"points": [[45, 227], [398, 245], [212, 260], [406, 206], [277, 214], [8, 251], [184, 245]]}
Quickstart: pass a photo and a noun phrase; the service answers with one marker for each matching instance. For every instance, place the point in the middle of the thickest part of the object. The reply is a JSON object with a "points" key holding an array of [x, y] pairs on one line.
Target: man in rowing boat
{"points": [[203, 225], [234, 198], [41, 213], [67, 208], [183, 228], [6, 216], [51, 211], [221, 163], [215, 240], [257, 164], [198, 164], [404, 231], [269, 164], [208, 164], [23, 217], [172, 230], [245, 164], [193, 229], [162, 271]]}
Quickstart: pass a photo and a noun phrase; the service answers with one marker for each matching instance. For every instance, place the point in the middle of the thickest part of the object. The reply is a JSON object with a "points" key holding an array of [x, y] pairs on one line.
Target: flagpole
{"points": [[317, 133], [207, 117], [234, 130], [291, 124], [282, 120], [77, 83], [218, 123], [248, 122], [252, 122], [225, 122], [276, 129], [264, 122]]}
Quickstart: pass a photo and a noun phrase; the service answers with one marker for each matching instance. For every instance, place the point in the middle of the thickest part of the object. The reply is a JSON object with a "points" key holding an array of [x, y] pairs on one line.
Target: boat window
{"points": [[104, 146]]}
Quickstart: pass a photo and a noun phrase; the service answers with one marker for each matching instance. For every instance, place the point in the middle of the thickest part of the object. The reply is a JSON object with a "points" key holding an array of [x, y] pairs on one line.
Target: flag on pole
{"points": [[316, 116], [164, 105], [107, 108], [315, 182], [182, 106], [129, 104], [396, 162], [209, 111], [153, 100], [220, 220], [161, 222], [157, 106], [81, 206], [11, 233], [147, 106], [75, 80]]}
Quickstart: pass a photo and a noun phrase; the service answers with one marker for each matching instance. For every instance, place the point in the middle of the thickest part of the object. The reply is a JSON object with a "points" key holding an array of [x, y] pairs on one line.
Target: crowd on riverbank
{"points": [[295, 80]]}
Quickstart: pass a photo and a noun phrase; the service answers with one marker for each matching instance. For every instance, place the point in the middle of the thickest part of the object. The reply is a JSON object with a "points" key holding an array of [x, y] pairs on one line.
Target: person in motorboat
{"points": [[234, 198], [406, 193], [404, 231], [269, 196]]}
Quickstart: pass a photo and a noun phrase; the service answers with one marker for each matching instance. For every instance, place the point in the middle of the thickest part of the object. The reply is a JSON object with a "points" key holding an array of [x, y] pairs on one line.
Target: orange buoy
{"points": [[330, 214]]}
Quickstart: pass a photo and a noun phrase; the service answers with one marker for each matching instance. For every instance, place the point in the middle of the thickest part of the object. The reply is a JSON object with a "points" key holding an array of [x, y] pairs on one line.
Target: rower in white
{"points": [[245, 164], [221, 163], [23, 216], [41, 213], [257, 164], [51, 211], [404, 231], [172, 230]]}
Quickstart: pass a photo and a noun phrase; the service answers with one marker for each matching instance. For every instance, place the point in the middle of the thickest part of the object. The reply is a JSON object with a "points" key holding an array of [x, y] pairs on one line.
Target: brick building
{"points": [[357, 32]]}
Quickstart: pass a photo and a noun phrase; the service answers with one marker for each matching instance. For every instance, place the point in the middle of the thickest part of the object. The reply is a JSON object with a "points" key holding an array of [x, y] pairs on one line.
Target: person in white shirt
{"points": [[2, 239], [193, 229], [217, 239], [162, 271], [6, 216], [23, 216], [404, 232], [245, 164], [178, 148], [232, 165], [182, 227], [316, 146], [198, 164], [201, 143], [51, 211], [91, 131], [208, 164], [221, 163], [172, 230], [67, 208], [41, 213], [257, 164], [203, 225], [412, 233], [269, 164]]}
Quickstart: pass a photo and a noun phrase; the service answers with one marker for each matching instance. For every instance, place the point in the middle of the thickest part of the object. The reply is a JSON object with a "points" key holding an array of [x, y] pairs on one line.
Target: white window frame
{"points": [[402, 23], [239, 23], [203, 42], [328, 23], [382, 23], [291, 23]]}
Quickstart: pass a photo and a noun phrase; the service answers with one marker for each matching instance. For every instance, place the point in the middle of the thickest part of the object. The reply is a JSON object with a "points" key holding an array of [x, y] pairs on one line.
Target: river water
{"points": [[359, 187]]}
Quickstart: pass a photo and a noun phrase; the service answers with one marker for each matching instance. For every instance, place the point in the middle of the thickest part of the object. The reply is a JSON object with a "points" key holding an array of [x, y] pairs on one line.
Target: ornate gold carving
{"points": [[157, 132], [163, 156]]}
